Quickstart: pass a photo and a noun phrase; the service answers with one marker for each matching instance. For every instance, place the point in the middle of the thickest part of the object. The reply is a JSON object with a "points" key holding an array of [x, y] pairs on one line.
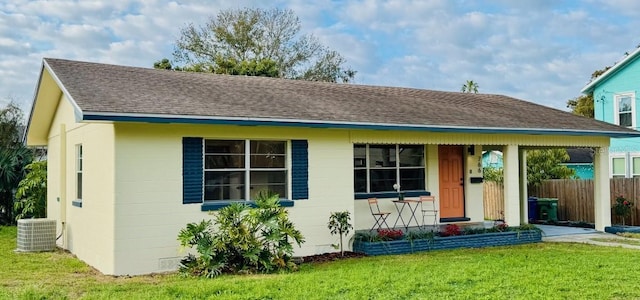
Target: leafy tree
{"points": [[470, 87], [14, 156], [493, 174], [339, 222], [546, 164], [582, 105], [254, 41], [163, 64], [31, 195]]}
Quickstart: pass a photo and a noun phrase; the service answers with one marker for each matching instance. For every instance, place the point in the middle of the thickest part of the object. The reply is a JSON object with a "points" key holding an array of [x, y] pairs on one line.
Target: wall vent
{"points": [[36, 235]]}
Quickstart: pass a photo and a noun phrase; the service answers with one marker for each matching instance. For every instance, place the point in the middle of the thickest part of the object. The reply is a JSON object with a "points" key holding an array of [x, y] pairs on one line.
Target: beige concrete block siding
{"points": [[88, 230], [149, 212]]}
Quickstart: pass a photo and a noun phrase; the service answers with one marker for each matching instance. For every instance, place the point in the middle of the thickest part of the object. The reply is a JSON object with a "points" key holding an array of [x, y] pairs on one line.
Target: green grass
{"points": [[537, 271]]}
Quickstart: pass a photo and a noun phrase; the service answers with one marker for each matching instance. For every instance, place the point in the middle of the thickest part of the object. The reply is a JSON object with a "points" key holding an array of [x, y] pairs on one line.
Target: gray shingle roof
{"points": [[112, 89]]}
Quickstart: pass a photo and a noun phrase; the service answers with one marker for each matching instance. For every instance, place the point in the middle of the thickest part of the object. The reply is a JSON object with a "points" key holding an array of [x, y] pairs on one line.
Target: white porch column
{"points": [[511, 185], [524, 194], [601, 188]]}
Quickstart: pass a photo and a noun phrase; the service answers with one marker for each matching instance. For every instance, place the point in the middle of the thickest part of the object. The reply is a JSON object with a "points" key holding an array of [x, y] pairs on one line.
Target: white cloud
{"points": [[542, 51]]}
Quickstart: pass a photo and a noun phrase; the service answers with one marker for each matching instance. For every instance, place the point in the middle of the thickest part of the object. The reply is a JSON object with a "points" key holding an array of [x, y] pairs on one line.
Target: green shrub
{"points": [[246, 240]]}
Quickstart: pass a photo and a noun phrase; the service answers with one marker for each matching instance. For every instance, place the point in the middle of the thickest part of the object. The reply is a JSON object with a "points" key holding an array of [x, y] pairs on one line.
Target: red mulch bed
{"points": [[325, 257]]}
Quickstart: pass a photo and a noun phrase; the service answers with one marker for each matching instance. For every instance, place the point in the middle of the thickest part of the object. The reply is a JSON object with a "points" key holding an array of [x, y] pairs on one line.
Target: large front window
{"points": [[239, 169], [378, 167]]}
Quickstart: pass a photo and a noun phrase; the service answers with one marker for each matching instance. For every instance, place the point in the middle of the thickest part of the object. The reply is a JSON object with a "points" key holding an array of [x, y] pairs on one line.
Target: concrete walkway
{"points": [[563, 234]]}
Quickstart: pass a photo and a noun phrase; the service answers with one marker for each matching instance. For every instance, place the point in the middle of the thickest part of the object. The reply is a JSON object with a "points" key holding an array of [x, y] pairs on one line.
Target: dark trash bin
{"points": [[533, 209], [548, 209]]}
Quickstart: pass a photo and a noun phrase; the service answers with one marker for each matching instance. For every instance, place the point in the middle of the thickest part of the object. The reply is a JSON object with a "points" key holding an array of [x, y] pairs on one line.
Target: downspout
{"points": [[63, 183]]}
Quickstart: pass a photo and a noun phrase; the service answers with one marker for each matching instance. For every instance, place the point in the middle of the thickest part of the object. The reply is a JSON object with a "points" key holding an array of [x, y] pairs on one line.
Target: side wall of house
{"points": [[149, 210], [86, 225], [625, 81]]}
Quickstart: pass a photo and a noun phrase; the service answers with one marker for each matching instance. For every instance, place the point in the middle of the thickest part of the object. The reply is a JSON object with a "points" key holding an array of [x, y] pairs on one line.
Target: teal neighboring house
{"points": [[492, 159], [615, 101], [581, 160]]}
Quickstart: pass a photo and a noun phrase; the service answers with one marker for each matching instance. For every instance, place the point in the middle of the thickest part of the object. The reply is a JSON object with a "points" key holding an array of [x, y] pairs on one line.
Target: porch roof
{"points": [[102, 92]]}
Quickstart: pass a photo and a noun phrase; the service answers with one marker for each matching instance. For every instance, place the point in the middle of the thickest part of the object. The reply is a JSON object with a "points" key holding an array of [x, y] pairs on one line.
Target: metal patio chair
{"points": [[428, 209], [379, 216]]}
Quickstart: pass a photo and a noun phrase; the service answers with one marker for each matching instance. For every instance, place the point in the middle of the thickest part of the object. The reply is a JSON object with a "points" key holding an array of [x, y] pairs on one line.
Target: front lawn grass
{"points": [[534, 271]]}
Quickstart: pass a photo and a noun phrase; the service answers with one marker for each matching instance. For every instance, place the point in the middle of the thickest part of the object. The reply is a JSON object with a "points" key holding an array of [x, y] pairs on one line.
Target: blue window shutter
{"points": [[299, 170], [192, 170]]}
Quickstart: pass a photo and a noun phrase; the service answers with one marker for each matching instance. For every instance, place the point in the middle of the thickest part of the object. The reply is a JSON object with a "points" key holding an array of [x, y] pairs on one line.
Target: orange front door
{"points": [[451, 182]]}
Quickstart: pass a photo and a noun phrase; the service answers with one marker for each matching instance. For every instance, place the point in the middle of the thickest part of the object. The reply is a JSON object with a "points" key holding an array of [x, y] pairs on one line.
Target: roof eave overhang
{"points": [[593, 83], [47, 95], [251, 121]]}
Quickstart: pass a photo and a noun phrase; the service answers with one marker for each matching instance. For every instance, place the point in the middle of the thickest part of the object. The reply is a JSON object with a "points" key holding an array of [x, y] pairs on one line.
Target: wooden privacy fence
{"points": [[575, 198]]}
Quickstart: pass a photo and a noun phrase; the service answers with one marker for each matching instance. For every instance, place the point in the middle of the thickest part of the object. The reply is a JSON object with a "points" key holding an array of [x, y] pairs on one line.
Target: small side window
{"points": [[618, 167], [79, 172]]}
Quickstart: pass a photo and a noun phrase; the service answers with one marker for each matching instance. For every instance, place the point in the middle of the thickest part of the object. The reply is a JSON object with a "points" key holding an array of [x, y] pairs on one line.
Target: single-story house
{"points": [[135, 154]]}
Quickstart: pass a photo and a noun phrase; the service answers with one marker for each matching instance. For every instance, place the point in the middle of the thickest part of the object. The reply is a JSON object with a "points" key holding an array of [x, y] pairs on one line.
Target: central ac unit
{"points": [[36, 235]]}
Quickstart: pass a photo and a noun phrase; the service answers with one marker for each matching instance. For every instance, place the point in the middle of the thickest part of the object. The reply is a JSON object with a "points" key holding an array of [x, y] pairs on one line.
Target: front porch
{"points": [[514, 148]]}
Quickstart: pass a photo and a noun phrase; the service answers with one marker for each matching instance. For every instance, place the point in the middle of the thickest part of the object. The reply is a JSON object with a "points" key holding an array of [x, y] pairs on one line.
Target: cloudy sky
{"points": [[542, 51]]}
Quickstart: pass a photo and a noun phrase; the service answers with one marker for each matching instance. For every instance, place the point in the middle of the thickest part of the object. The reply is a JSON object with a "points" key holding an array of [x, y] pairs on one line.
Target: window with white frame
{"points": [[635, 166], [239, 169], [618, 167], [79, 172], [625, 110], [378, 167]]}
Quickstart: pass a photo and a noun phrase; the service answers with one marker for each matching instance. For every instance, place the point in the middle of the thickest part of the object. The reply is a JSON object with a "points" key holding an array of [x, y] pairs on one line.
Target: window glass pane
{"points": [[79, 187], [382, 180], [618, 166], [624, 104], [222, 147], [267, 147], [625, 120], [412, 179], [267, 161], [267, 154], [411, 156], [274, 181], [224, 185], [359, 156], [223, 161], [636, 165], [382, 156], [279, 189], [79, 157], [360, 181]]}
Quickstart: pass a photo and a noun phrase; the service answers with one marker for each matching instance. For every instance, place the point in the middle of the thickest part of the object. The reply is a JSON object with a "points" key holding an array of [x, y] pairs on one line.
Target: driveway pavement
{"points": [[560, 234]]}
